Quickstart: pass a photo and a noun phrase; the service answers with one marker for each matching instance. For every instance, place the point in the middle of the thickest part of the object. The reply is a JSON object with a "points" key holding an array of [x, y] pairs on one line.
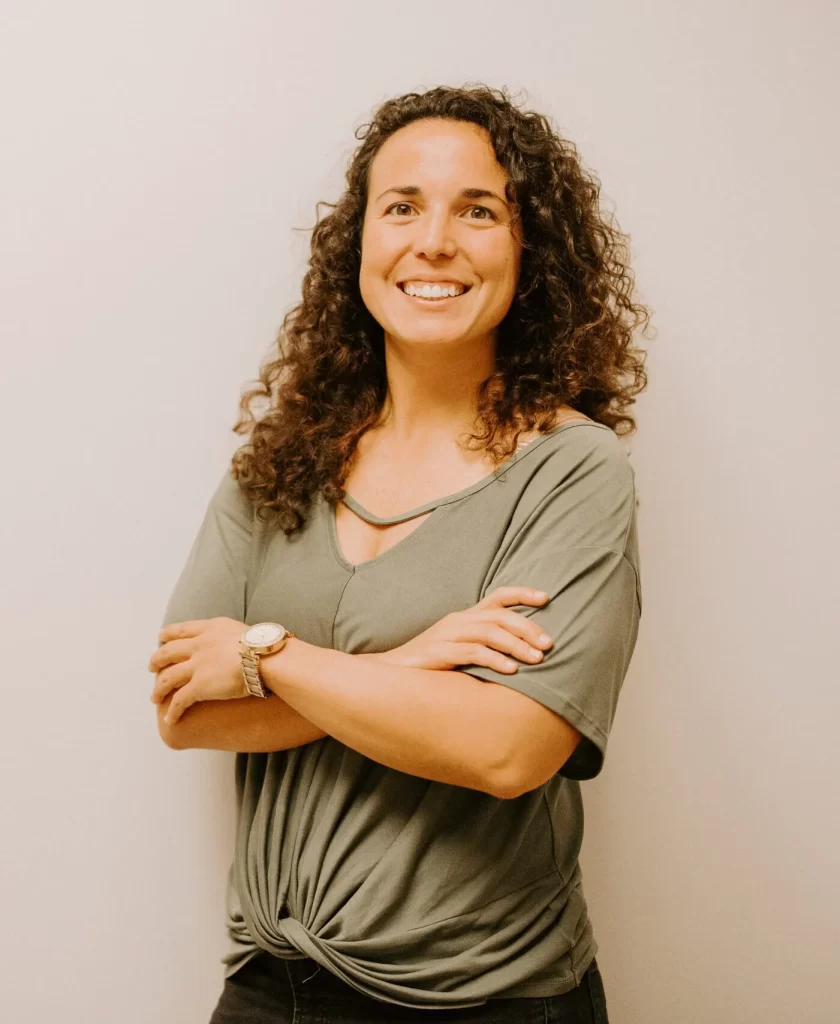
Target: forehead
{"points": [[435, 153]]}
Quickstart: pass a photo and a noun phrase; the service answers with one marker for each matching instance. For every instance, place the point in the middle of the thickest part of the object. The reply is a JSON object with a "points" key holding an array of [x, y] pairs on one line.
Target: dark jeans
{"points": [[269, 990]]}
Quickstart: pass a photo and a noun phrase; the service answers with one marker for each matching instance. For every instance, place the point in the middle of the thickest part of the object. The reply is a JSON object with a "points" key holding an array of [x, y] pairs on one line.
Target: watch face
{"points": [[263, 634]]}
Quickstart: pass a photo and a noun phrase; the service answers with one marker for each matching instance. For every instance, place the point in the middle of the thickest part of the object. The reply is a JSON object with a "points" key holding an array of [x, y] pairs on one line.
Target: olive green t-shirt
{"points": [[415, 892]]}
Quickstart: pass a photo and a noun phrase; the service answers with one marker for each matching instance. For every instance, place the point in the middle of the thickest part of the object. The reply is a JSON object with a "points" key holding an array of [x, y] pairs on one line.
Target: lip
{"points": [[435, 280]]}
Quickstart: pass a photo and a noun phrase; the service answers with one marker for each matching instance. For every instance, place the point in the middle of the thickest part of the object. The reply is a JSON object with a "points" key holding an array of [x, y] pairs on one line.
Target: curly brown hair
{"points": [[566, 339]]}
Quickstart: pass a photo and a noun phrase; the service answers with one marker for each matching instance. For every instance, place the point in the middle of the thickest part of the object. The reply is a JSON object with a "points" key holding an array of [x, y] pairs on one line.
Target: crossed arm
{"points": [[440, 725]]}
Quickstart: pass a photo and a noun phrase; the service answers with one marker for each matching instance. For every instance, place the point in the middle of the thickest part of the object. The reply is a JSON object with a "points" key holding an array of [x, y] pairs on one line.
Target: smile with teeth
{"points": [[421, 290]]}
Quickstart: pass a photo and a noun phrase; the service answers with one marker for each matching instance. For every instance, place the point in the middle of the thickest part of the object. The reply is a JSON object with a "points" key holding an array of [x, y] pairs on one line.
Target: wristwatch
{"points": [[261, 638]]}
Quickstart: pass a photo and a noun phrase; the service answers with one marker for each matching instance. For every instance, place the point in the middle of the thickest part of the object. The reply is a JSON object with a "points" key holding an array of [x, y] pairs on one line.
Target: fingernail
{"points": [[544, 638], [540, 593]]}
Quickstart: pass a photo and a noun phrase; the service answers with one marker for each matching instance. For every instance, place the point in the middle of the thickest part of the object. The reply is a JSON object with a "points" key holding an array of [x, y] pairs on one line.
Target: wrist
{"points": [[276, 668]]}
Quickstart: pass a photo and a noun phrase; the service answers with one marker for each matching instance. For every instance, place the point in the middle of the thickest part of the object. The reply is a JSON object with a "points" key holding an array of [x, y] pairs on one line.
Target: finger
{"points": [[523, 626], [170, 653], [501, 639], [182, 630], [168, 681], [516, 623], [478, 654], [503, 596], [182, 700]]}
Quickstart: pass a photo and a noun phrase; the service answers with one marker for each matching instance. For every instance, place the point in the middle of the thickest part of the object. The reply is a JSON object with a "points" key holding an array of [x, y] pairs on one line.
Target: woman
{"points": [[439, 445]]}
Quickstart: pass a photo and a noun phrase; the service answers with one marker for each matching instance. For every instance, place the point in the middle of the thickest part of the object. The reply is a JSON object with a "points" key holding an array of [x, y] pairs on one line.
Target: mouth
{"points": [[442, 301]]}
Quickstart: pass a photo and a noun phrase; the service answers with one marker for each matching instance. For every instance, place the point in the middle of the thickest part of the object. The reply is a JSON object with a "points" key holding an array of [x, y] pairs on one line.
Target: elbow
{"points": [[516, 776], [171, 737], [506, 784], [534, 754], [499, 776], [171, 741], [508, 788]]}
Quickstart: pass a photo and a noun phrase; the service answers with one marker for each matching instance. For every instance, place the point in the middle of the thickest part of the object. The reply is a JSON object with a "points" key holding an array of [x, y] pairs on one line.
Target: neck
{"points": [[431, 391]]}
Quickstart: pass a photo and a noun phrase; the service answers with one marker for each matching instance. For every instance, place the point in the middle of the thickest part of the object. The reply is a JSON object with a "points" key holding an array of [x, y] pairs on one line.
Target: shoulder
{"points": [[581, 489], [589, 446], [561, 415], [230, 501]]}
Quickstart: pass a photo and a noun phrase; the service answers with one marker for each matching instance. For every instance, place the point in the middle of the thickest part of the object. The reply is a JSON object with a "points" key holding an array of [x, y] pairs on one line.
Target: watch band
{"points": [[251, 669], [251, 673]]}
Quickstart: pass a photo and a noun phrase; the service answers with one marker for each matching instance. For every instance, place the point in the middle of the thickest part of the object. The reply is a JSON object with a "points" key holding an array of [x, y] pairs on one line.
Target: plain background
{"points": [[157, 158]]}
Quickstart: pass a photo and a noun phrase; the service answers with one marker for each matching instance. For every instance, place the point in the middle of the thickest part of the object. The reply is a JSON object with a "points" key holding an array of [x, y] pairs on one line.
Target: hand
{"points": [[196, 661], [481, 635]]}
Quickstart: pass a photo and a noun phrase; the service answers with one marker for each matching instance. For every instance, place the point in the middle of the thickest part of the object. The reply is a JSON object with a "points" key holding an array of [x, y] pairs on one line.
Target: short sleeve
{"points": [[576, 540], [214, 578]]}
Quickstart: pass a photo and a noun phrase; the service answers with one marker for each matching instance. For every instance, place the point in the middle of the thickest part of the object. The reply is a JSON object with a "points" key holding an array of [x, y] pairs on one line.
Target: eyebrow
{"points": [[465, 193]]}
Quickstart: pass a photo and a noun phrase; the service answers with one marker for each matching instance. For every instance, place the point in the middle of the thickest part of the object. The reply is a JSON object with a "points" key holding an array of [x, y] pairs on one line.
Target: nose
{"points": [[433, 235]]}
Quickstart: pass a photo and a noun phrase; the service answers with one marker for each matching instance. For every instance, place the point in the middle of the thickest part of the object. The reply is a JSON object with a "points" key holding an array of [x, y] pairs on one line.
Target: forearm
{"points": [[247, 725], [439, 725]]}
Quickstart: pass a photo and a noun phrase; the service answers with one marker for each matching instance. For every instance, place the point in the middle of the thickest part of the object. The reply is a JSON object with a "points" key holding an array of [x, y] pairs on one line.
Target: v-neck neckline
{"points": [[436, 505]]}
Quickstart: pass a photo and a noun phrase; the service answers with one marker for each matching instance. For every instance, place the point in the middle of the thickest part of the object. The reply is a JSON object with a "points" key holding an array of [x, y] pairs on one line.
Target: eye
{"points": [[395, 205], [486, 210], [408, 206]]}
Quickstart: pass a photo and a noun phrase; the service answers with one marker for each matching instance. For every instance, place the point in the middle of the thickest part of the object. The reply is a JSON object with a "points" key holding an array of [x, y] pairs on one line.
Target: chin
{"points": [[428, 337]]}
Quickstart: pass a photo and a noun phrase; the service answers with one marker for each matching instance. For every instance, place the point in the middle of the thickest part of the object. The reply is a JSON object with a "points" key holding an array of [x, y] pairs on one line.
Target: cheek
{"points": [[505, 277], [376, 264], [497, 259], [378, 253], [368, 255]]}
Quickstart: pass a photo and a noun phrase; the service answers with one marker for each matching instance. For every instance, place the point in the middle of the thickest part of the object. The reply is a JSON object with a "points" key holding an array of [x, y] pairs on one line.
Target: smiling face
{"points": [[428, 220]]}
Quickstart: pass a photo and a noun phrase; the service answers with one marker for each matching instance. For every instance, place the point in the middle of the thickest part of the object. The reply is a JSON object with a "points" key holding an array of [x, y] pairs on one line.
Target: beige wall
{"points": [[156, 158]]}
